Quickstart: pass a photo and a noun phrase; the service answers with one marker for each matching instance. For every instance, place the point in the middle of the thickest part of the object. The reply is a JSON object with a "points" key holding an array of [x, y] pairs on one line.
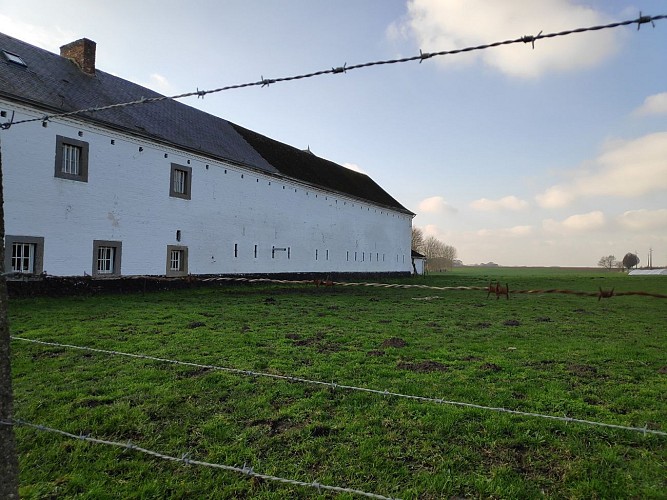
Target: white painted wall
{"points": [[127, 199]]}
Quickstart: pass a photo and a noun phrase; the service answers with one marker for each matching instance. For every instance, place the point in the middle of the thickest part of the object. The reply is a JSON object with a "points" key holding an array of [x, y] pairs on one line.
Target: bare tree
{"points": [[418, 239], [450, 255], [438, 255], [608, 262]]}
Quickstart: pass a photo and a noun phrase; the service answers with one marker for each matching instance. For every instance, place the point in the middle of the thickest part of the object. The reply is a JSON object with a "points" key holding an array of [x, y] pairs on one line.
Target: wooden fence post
{"points": [[9, 465]]}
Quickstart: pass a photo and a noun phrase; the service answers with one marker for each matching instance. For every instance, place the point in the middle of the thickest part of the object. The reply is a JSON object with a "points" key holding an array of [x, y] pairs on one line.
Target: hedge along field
{"points": [[560, 355]]}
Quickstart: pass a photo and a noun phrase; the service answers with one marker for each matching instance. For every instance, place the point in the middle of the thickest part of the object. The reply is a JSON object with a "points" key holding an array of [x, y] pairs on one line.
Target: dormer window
{"points": [[14, 58]]}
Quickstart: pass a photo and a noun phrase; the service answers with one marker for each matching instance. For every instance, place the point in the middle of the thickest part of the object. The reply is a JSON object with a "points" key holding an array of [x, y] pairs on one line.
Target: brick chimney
{"points": [[82, 52]]}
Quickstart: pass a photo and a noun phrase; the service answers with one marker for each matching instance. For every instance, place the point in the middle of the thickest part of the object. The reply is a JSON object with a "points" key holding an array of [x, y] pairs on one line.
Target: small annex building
{"points": [[162, 188], [418, 263]]}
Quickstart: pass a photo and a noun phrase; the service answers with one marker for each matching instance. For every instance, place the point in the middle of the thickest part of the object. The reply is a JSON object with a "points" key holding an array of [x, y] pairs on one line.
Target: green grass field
{"points": [[560, 355]]}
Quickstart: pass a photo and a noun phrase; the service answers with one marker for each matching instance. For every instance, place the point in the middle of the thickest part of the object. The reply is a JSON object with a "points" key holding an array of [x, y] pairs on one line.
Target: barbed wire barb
{"points": [[531, 39], [424, 55], [643, 20]]}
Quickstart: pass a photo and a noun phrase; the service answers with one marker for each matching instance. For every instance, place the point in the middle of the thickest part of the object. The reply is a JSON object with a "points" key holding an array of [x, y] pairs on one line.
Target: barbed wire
{"points": [[186, 460], [335, 386], [329, 283], [265, 82], [600, 294]]}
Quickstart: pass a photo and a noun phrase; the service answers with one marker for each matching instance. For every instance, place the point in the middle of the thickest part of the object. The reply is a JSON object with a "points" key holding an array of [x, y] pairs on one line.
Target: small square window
{"points": [[24, 254], [177, 260], [71, 159], [106, 257], [180, 181]]}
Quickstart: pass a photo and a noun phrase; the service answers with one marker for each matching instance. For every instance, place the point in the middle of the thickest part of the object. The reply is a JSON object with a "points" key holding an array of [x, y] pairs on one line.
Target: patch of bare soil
{"points": [[394, 342], [317, 341], [375, 353], [276, 426], [662, 370], [310, 341], [582, 370], [423, 366], [322, 430], [49, 354], [491, 367], [195, 372], [512, 322]]}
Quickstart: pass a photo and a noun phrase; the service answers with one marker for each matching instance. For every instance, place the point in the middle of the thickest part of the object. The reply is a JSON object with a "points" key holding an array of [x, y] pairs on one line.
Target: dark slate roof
{"points": [[56, 84], [307, 167]]}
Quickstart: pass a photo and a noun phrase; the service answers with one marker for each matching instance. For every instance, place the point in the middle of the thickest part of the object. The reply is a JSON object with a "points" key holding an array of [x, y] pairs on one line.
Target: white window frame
{"points": [[23, 257], [71, 160], [105, 258], [176, 260]]}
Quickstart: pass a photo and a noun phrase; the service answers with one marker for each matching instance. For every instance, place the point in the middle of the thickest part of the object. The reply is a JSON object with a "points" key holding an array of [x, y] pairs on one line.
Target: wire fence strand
{"points": [[265, 82], [335, 386], [185, 460]]}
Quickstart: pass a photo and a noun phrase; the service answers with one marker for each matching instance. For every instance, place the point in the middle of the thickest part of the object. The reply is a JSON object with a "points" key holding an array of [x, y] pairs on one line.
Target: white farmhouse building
{"points": [[166, 189]]}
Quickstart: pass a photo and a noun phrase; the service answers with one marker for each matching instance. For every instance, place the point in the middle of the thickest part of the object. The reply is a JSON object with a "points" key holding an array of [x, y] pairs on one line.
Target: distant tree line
{"points": [[439, 256], [609, 262]]}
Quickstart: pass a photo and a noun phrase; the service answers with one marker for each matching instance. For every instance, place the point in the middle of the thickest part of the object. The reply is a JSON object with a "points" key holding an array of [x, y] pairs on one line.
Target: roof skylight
{"points": [[14, 58]]}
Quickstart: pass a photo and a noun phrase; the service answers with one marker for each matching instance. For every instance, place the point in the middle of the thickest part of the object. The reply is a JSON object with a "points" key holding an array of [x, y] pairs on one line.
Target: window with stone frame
{"points": [[71, 159], [177, 260], [180, 185], [106, 257], [24, 254]]}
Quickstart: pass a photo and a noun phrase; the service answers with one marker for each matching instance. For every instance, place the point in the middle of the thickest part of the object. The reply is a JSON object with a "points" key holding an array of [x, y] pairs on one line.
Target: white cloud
{"points": [[576, 223], [510, 232], [160, 84], [435, 205], [511, 203], [653, 105], [554, 197], [628, 169], [448, 24], [50, 38], [355, 167], [642, 220]]}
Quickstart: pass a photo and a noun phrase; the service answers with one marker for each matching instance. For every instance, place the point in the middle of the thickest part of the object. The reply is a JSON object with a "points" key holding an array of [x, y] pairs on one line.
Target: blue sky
{"points": [[555, 155]]}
